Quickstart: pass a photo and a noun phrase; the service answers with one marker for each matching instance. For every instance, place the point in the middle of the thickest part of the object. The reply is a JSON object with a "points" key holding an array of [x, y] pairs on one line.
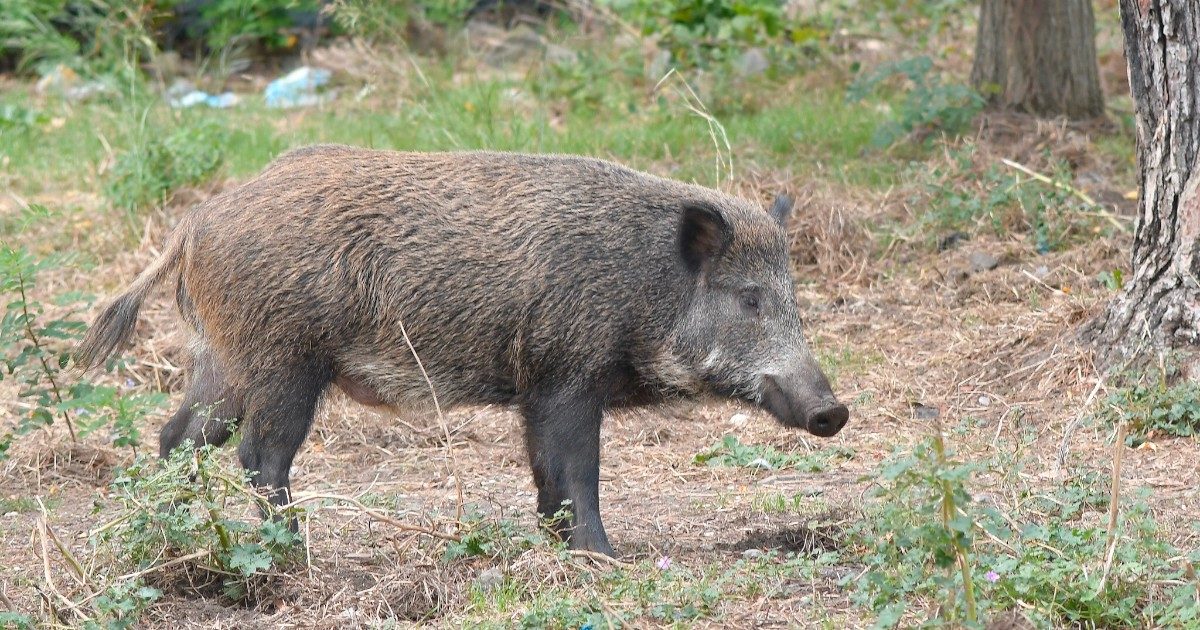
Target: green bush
{"points": [[694, 30], [267, 23], [927, 106], [181, 506], [28, 34], [158, 164]]}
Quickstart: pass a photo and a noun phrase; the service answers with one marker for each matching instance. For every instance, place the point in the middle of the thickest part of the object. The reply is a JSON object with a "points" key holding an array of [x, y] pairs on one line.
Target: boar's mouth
{"points": [[821, 416]]}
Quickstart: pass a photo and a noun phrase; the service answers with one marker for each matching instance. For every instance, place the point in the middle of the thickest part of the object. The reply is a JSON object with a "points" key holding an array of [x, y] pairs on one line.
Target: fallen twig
{"points": [[1086, 198], [375, 514], [599, 558], [195, 555], [44, 545], [1114, 504]]}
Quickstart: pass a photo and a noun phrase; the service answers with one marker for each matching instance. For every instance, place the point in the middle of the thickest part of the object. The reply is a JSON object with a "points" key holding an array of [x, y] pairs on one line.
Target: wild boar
{"points": [[560, 285]]}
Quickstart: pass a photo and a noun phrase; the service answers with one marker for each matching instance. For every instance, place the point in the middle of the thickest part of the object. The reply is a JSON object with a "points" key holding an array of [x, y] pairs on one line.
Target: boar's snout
{"points": [[828, 421], [820, 414]]}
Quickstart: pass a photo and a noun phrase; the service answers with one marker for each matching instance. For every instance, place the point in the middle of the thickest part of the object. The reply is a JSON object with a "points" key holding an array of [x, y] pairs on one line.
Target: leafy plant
{"points": [[731, 452], [34, 352], [502, 538], [926, 107], [18, 119], [694, 30], [926, 537], [1162, 404], [922, 539], [37, 350], [180, 506]]}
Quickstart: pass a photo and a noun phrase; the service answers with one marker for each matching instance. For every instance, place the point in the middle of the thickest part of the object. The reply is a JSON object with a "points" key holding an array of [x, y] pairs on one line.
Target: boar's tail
{"points": [[114, 326]]}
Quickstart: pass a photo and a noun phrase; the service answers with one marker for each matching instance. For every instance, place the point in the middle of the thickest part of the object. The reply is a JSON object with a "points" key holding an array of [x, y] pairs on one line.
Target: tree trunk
{"points": [[1038, 57], [1159, 308]]}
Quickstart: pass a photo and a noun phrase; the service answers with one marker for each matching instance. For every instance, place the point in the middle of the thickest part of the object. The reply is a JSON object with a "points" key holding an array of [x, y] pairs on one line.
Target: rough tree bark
{"points": [[1039, 57], [1159, 308]]}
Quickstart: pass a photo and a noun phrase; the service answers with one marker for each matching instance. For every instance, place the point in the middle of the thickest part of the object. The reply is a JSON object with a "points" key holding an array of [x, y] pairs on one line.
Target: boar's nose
{"points": [[828, 421]]}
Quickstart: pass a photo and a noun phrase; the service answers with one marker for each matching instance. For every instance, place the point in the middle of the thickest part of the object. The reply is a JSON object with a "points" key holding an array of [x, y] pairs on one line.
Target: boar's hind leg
{"points": [[210, 409], [562, 433], [279, 411]]}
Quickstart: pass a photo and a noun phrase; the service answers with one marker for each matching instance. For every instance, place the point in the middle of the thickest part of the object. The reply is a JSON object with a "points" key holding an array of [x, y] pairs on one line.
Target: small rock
{"points": [[739, 419], [956, 275], [561, 55], [951, 240], [489, 579], [752, 554], [521, 43], [982, 261], [872, 45], [11, 514], [1041, 272], [752, 63], [761, 463], [922, 411], [984, 401]]}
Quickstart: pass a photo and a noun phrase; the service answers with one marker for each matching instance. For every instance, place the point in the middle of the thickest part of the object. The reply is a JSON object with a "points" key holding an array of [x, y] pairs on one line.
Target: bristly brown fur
{"points": [[563, 285]]}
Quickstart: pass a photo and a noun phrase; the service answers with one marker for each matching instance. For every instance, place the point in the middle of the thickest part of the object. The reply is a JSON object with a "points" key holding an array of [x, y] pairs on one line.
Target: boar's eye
{"points": [[749, 300]]}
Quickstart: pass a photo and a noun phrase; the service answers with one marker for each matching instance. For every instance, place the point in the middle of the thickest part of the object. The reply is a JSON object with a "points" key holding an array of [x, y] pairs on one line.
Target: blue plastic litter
{"points": [[197, 97], [298, 88]]}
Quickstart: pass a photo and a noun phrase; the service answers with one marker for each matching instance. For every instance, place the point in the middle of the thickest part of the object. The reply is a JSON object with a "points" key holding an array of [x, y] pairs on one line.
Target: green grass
{"points": [[732, 452], [21, 505], [677, 595], [800, 131]]}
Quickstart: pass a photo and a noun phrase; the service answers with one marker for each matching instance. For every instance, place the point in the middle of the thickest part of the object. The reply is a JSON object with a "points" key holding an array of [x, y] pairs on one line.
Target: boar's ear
{"points": [[703, 234], [781, 210]]}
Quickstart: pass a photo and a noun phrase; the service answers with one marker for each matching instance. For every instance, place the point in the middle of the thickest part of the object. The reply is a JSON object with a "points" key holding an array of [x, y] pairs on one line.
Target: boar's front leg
{"points": [[562, 433]]}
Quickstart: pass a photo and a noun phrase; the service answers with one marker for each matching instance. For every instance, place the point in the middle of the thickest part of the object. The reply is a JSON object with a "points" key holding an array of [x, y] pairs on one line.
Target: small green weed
{"points": [[845, 359], [796, 503], [498, 538], [655, 592], [16, 119], [1161, 405], [15, 620], [927, 107], [18, 504], [963, 197], [37, 340], [1044, 557], [731, 452]]}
